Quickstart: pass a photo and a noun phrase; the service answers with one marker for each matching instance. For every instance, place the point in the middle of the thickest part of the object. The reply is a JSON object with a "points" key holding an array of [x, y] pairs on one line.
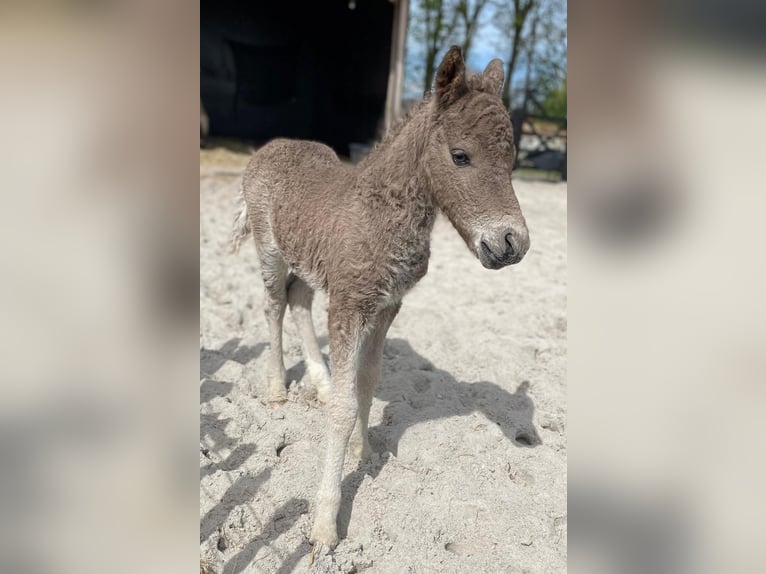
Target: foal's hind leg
{"points": [[274, 272], [300, 297]]}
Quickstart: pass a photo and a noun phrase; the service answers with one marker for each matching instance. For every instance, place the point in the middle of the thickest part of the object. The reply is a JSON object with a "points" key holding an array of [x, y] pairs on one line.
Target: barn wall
{"points": [[304, 69]]}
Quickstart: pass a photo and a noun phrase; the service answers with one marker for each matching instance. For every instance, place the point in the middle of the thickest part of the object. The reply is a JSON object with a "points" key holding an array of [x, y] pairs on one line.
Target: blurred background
{"points": [[98, 313], [666, 315]]}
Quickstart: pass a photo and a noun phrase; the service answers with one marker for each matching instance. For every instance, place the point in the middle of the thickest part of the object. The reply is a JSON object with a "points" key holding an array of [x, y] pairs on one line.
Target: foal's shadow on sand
{"points": [[417, 392], [211, 424], [414, 392], [298, 370], [244, 488], [210, 360]]}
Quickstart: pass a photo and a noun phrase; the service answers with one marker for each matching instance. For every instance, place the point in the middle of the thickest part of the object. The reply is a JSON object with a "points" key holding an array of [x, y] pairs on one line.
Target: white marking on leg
{"points": [[320, 378], [342, 412]]}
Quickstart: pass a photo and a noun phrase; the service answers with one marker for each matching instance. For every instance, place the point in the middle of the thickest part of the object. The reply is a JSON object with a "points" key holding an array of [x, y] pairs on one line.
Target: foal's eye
{"points": [[460, 158]]}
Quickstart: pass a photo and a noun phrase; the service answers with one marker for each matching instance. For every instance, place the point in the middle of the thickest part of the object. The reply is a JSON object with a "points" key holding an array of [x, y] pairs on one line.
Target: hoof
{"points": [[277, 396], [323, 395], [320, 380], [323, 535], [360, 452]]}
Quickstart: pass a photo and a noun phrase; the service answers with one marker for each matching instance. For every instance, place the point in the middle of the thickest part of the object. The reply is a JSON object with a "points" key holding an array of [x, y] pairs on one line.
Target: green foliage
{"points": [[555, 102]]}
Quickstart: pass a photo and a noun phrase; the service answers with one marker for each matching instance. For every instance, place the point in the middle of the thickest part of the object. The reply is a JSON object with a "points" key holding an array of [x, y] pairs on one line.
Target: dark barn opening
{"points": [[306, 69]]}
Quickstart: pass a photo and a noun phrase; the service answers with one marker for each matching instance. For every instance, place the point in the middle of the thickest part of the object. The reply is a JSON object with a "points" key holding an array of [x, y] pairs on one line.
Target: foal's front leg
{"points": [[370, 366], [346, 339]]}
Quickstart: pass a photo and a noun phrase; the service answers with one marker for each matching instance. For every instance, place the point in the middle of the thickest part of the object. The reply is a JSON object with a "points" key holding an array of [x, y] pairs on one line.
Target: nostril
{"points": [[487, 250], [509, 241]]}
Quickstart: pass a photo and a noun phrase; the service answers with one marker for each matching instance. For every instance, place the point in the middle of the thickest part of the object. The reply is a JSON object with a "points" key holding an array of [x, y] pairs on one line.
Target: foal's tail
{"points": [[241, 228]]}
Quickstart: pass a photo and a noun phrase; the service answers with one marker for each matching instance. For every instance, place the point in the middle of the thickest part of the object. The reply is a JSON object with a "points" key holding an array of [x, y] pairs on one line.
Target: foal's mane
{"points": [[474, 83], [399, 124], [380, 148]]}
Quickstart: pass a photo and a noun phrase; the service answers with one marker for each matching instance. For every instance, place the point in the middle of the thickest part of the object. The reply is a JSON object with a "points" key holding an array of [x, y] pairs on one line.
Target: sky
{"points": [[489, 42]]}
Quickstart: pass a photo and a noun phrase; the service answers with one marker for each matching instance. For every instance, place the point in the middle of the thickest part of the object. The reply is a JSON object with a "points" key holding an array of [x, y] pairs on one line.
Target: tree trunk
{"points": [[430, 69], [433, 39], [520, 12], [441, 19], [510, 68], [469, 22]]}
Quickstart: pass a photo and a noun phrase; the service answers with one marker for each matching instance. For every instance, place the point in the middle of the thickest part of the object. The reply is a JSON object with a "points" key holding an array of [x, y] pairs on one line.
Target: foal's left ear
{"points": [[493, 76], [450, 81]]}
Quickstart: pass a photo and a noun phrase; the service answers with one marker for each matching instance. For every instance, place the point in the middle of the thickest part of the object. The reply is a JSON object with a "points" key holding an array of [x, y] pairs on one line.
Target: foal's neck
{"points": [[394, 175]]}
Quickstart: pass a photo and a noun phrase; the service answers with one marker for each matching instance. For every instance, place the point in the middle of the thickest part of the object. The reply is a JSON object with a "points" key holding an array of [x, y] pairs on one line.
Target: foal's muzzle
{"points": [[503, 246]]}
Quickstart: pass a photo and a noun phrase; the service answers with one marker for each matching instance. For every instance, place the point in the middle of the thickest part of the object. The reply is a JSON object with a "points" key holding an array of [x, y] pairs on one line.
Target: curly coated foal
{"points": [[362, 233]]}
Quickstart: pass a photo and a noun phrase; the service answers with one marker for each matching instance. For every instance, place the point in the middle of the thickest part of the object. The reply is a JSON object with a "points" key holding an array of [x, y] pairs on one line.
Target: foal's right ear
{"points": [[493, 76], [450, 81]]}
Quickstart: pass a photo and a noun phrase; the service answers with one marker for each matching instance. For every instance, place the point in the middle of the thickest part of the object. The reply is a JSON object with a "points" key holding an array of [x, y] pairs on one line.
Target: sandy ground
{"points": [[469, 422]]}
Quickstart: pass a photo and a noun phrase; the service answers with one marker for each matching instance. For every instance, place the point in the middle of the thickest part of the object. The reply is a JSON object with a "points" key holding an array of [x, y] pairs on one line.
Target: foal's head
{"points": [[469, 156]]}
